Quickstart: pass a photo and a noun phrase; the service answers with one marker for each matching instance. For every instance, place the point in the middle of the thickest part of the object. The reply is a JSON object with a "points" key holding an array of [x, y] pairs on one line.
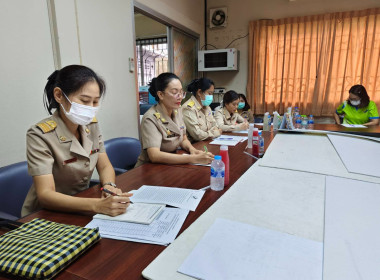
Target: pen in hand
{"points": [[111, 193], [205, 148]]}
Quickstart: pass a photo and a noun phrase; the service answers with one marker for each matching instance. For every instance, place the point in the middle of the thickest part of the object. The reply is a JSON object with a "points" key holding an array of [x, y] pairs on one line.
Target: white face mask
{"points": [[80, 114], [355, 102]]}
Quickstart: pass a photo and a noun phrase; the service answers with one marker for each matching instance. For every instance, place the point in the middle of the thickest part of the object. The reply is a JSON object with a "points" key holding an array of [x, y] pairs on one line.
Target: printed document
{"points": [[162, 231], [353, 125], [141, 213], [228, 140], [177, 197], [234, 250]]}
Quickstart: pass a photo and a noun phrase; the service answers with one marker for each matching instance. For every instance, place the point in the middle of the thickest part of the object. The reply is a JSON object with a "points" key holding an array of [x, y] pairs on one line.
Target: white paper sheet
{"points": [[177, 197], [241, 131], [228, 140], [310, 153], [162, 230], [141, 213], [352, 230], [358, 155], [234, 250], [353, 125]]}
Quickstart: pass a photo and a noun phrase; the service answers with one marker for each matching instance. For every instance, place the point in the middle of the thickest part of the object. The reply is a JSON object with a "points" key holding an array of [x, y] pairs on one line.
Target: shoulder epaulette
{"points": [[47, 126], [157, 115], [190, 104], [94, 120]]}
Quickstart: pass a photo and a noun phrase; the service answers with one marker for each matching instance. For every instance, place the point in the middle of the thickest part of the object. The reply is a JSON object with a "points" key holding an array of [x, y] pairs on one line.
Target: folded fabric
{"points": [[40, 249]]}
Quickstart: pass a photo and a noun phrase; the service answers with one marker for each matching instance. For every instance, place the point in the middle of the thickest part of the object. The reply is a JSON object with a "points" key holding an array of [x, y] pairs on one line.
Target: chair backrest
{"points": [[123, 151], [15, 183]]}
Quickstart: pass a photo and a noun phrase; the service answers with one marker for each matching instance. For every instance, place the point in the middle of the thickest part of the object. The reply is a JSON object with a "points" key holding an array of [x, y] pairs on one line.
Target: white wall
{"points": [[240, 12], [26, 61], [102, 39], [95, 33]]}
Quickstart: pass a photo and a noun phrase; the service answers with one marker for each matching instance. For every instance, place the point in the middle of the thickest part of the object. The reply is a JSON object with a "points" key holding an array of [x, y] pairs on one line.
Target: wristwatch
{"points": [[109, 183]]}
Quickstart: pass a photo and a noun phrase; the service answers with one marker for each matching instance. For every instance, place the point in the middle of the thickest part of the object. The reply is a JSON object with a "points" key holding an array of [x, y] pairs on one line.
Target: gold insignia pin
{"points": [[62, 138]]}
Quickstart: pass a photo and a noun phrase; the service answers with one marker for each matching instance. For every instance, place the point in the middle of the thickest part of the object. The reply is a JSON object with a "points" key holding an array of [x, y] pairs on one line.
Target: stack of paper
{"points": [[147, 220], [177, 197], [161, 231], [140, 213], [228, 140]]}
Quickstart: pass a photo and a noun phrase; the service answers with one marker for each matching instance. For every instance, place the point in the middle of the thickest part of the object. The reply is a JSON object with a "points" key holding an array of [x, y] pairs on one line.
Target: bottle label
{"points": [[216, 174]]}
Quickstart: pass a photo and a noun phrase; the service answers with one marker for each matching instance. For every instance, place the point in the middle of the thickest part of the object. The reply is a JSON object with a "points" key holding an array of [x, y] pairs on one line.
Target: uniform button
{"points": [[85, 179], [87, 130], [87, 163]]}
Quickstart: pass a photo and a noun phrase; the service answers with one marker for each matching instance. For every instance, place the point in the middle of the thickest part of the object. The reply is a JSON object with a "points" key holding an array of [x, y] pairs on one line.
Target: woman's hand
{"points": [[202, 157], [112, 189], [195, 151], [113, 205], [244, 126]]}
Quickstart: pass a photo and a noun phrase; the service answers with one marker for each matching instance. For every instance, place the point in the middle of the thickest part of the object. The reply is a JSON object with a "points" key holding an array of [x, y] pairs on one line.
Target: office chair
{"points": [[15, 183], [123, 153], [144, 108]]}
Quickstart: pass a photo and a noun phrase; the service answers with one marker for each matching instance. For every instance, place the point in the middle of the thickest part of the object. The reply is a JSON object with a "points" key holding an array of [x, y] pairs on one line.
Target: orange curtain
{"points": [[312, 61]]}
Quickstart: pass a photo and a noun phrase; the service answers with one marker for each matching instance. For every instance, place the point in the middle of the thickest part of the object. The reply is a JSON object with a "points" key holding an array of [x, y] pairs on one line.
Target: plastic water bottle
{"points": [[261, 144], [255, 142], [250, 134], [297, 122], [304, 122], [266, 125], [276, 123], [310, 122], [295, 113], [226, 161], [217, 174]]}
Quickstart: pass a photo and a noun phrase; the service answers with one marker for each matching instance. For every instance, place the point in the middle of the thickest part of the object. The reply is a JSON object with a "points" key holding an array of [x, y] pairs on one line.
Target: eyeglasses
{"points": [[180, 93]]}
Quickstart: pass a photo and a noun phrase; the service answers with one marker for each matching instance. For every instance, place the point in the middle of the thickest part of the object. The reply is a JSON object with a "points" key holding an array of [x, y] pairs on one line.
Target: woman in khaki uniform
{"points": [[197, 114], [244, 109], [227, 117], [64, 149], [162, 127]]}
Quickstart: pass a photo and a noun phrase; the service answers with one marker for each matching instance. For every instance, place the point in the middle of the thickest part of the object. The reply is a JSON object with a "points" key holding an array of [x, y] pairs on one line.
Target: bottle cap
{"points": [[311, 116], [260, 132], [217, 157], [224, 148]]}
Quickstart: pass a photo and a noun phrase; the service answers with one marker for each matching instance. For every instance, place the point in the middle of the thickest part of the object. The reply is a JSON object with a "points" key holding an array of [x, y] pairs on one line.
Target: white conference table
{"points": [[272, 194]]}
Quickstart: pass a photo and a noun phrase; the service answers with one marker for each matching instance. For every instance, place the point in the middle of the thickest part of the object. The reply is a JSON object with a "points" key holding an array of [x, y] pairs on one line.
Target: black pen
{"points": [[112, 193]]}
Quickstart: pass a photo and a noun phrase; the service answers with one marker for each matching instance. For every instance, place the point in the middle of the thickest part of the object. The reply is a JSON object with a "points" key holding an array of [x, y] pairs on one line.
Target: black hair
{"points": [[360, 92], [247, 106], [203, 84], [160, 83], [230, 96], [70, 79]]}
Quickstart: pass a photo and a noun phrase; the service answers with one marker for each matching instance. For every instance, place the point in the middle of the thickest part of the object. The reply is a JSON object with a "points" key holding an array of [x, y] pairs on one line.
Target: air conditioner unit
{"points": [[218, 17]]}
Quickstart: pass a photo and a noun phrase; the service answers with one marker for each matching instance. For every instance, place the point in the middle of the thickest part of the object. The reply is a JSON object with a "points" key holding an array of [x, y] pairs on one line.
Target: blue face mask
{"points": [[207, 101], [241, 105]]}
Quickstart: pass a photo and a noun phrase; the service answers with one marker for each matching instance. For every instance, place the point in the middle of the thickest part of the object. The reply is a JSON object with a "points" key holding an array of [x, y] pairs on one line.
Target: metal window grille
{"points": [[152, 58]]}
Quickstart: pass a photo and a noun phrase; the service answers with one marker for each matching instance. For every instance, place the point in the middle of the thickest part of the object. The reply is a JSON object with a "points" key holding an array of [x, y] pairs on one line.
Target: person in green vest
{"points": [[358, 108]]}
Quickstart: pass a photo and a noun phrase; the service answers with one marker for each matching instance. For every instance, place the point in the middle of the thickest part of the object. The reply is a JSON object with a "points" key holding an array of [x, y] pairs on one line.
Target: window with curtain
{"points": [[312, 61]]}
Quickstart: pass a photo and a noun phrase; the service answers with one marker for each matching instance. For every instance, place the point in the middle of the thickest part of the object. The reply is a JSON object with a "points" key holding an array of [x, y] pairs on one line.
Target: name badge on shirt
{"points": [[94, 151], [70, 161]]}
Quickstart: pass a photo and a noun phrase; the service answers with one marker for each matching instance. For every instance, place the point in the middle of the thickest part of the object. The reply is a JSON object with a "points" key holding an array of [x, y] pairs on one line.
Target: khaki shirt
{"points": [[53, 149], [248, 115], [199, 121], [160, 131], [227, 122]]}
